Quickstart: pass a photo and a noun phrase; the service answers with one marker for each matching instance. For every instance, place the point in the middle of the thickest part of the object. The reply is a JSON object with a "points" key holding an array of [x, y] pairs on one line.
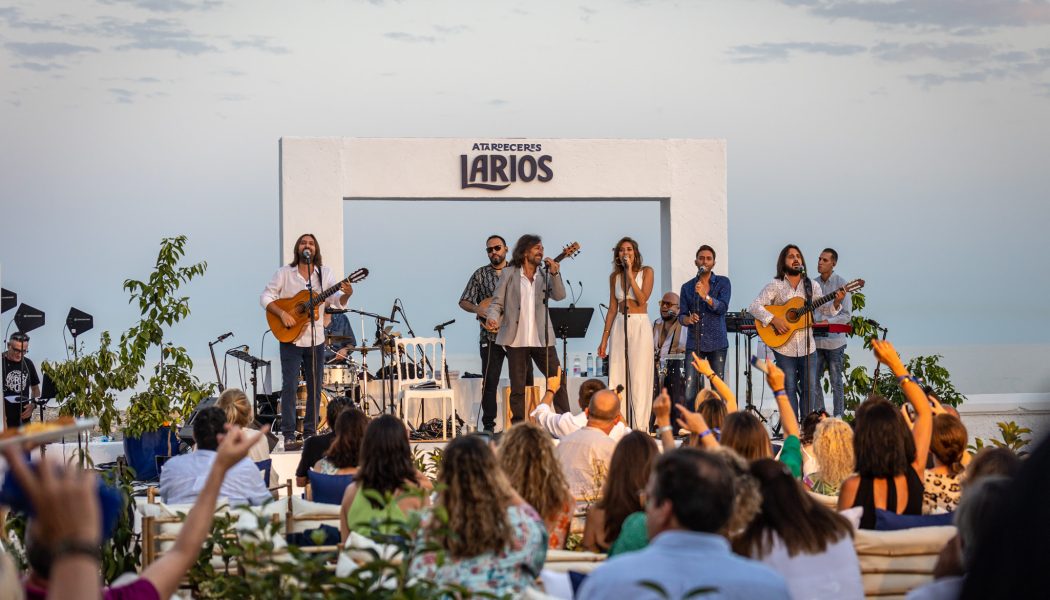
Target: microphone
{"points": [[393, 310], [224, 336], [604, 306], [444, 325], [619, 389], [873, 323], [700, 272], [306, 254], [335, 311]]}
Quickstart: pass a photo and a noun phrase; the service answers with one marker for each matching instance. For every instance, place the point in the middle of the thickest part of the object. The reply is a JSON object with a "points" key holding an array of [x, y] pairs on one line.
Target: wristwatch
{"points": [[707, 298]]}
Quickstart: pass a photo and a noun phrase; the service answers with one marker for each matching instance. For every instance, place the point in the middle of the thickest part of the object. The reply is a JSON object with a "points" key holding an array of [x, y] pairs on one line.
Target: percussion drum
{"points": [[339, 376]]}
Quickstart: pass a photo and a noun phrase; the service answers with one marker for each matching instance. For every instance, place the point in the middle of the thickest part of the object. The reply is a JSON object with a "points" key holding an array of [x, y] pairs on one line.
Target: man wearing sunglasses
{"points": [[475, 300], [21, 382]]}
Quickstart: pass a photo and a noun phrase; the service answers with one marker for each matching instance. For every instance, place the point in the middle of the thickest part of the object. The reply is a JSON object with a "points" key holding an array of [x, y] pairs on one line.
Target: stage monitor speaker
{"points": [[28, 318], [186, 433]]}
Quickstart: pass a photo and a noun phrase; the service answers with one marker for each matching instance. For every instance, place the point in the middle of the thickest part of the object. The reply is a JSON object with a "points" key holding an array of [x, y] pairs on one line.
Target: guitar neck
{"points": [[319, 298]]}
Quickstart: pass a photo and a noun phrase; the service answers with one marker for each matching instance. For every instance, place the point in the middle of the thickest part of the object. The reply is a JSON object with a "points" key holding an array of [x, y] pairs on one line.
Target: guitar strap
{"points": [[807, 286]]}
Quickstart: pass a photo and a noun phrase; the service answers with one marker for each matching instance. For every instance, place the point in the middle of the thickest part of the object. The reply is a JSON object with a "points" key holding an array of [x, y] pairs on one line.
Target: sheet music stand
{"points": [[571, 322]]}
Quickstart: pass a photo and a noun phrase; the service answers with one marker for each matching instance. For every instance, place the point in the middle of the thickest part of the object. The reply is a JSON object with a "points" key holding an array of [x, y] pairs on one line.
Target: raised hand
{"points": [[693, 421], [65, 500], [886, 354], [554, 382], [702, 366], [774, 376], [662, 408]]}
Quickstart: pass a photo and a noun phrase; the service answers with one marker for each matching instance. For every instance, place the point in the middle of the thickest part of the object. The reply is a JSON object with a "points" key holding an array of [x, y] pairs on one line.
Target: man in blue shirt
{"points": [[688, 501], [703, 305]]}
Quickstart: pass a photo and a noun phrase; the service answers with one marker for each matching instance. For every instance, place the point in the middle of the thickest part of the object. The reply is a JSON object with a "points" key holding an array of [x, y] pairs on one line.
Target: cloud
{"points": [[122, 95], [38, 67], [262, 43], [46, 50], [167, 6], [957, 16], [770, 51], [588, 13], [12, 16], [401, 36], [498, 102], [950, 52], [929, 80], [156, 34], [451, 29]]}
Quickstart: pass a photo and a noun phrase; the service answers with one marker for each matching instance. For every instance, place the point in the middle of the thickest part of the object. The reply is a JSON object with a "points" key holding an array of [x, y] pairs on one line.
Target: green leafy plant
{"points": [[172, 390], [87, 385], [1011, 437]]}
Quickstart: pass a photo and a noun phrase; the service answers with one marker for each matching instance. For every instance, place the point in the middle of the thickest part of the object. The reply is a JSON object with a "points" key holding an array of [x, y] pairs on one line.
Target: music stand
{"points": [[568, 323]]}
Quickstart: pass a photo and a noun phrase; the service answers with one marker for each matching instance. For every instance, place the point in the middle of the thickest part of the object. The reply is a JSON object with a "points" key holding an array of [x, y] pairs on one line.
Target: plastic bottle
{"points": [[590, 365], [598, 367], [576, 367]]}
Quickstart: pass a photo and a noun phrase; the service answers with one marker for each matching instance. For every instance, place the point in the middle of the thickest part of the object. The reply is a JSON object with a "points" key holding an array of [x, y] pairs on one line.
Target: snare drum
{"points": [[339, 375]]}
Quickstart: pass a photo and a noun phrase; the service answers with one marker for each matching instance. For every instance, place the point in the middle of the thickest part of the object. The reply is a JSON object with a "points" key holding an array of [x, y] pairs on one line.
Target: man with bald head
{"points": [[584, 455], [667, 331]]}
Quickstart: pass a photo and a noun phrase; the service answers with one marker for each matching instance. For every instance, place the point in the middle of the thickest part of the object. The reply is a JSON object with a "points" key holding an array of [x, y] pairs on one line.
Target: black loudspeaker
{"points": [[186, 433]]}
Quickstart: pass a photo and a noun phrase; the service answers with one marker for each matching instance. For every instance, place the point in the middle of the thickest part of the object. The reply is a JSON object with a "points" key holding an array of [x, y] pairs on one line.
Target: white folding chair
{"points": [[426, 381]]}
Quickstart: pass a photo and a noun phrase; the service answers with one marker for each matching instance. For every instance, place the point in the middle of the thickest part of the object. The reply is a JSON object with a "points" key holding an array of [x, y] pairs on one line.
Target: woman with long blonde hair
{"points": [[492, 541], [234, 402], [630, 283], [526, 454], [833, 449]]}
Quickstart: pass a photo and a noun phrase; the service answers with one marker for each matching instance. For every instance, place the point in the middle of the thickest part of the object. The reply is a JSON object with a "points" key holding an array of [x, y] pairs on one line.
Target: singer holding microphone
{"points": [[704, 302], [630, 356], [306, 353]]}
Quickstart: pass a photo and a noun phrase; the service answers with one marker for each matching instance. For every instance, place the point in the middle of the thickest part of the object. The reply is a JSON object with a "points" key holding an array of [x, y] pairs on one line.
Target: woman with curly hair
{"points": [[526, 454], [493, 541], [343, 456], [630, 282], [943, 483], [629, 470], [387, 470], [833, 449]]}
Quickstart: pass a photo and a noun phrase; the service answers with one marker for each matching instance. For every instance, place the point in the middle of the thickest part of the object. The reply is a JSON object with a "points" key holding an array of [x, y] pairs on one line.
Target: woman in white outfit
{"points": [[639, 283]]}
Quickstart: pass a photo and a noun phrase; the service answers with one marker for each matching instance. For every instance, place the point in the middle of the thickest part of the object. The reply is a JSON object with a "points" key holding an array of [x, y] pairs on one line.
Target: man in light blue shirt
{"points": [[688, 500], [831, 348], [183, 477]]}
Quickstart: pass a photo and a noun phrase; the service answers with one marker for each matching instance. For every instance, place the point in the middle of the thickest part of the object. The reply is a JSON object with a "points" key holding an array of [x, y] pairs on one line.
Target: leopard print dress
{"points": [[941, 493]]}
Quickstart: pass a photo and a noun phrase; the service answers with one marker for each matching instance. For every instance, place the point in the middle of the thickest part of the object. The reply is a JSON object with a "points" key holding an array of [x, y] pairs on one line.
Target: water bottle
{"points": [[590, 365], [598, 367], [576, 367]]}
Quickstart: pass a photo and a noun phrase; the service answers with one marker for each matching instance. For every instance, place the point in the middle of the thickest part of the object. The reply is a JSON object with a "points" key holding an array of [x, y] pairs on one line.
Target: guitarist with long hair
{"points": [[796, 357], [517, 310], [305, 352]]}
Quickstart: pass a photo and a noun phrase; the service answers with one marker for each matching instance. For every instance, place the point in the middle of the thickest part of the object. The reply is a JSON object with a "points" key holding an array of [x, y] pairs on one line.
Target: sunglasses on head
{"points": [[495, 248]]}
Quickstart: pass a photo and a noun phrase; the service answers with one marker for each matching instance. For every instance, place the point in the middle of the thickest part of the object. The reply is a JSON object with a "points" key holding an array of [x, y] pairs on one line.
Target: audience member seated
{"points": [[943, 483], [991, 460], [386, 468], [566, 423], [833, 451], [807, 431], [713, 409], [689, 499], [890, 460], [981, 500], [526, 455], [494, 541], [62, 541], [239, 412], [183, 477], [810, 545], [584, 455], [344, 454], [314, 447], [629, 470]]}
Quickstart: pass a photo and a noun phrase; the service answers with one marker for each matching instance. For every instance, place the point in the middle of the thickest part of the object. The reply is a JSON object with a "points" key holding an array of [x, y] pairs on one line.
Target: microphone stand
{"points": [[440, 329], [546, 324], [698, 334], [314, 398], [426, 361], [215, 363], [381, 338], [626, 353]]}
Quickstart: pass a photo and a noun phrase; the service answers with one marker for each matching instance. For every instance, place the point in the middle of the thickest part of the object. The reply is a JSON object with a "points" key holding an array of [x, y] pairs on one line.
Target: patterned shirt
{"points": [[509, 571], [712, 323], [780, 291], [482, 284]]}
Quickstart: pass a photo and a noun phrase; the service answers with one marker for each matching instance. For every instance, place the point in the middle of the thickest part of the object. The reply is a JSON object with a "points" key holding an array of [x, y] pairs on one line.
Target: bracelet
{"points": [[69, 547], [704, 434], [908, 377], [662, 429], [780, 392]]}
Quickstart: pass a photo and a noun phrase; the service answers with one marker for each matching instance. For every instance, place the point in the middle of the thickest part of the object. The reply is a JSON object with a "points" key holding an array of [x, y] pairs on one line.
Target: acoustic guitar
{"points": [[797, 314], [301, 306], [569, 251]]}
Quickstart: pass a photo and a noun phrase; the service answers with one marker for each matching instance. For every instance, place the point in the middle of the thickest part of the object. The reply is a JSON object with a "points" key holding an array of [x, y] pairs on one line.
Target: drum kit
{"points": [[671, 375], [346, 379]]}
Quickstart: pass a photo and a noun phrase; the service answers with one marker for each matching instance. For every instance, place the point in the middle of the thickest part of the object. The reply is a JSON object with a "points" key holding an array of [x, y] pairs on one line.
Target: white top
{"points": [[182, 479], [287, 282], [676, 332], [528, 333], [780, 291], [581, 454], [833, 341], [261, 451], [833, 574], [618, 286], [566, 423]]}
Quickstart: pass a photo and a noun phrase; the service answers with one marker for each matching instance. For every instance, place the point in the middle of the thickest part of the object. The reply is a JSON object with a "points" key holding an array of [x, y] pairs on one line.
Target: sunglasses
{"points": [[492, 249], [662, 303]]}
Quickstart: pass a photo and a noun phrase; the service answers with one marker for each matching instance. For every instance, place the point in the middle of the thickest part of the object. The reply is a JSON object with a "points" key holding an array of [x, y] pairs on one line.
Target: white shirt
{"points": [[675, 332], [287, 282], [528, 333], [833, 341], [566, 423], [182, 478], [832, 574], [583, 455], [780, 291]]}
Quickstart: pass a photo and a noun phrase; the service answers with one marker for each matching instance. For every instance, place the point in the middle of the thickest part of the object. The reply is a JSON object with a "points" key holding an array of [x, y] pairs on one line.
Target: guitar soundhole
{"points": [[300, 309], [792, 315]]}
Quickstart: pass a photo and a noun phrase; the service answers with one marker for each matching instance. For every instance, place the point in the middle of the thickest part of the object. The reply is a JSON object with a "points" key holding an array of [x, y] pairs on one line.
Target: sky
{"points": [[911, 135]]}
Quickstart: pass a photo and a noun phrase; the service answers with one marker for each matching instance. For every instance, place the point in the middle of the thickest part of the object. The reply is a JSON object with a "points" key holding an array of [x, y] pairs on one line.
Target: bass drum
{"points": [[300, 409]]}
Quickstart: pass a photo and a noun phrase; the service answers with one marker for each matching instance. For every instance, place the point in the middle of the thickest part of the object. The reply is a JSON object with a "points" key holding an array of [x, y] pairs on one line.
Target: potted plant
{"points": [[172, 390]]}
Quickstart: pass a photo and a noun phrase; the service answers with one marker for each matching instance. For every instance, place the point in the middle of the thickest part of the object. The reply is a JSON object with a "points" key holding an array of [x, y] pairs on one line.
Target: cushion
{"points": [[890, 521]]}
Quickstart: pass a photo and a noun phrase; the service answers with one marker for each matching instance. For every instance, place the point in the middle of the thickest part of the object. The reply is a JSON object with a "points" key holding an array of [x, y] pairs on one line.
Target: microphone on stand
{"points": [[307, 255], [224, 336], [393, 310], [701, 272]]}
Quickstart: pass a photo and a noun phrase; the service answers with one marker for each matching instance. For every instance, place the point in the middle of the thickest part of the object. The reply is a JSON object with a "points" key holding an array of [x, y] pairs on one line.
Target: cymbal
{"points": [[361, 349], [338, 338]]}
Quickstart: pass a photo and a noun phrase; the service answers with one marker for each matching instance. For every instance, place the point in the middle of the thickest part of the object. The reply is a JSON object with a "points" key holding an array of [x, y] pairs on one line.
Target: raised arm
{"points": [[775, 379], [167, 572], [704, 368], [662, 412], [695, 423], [922, 428]]}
